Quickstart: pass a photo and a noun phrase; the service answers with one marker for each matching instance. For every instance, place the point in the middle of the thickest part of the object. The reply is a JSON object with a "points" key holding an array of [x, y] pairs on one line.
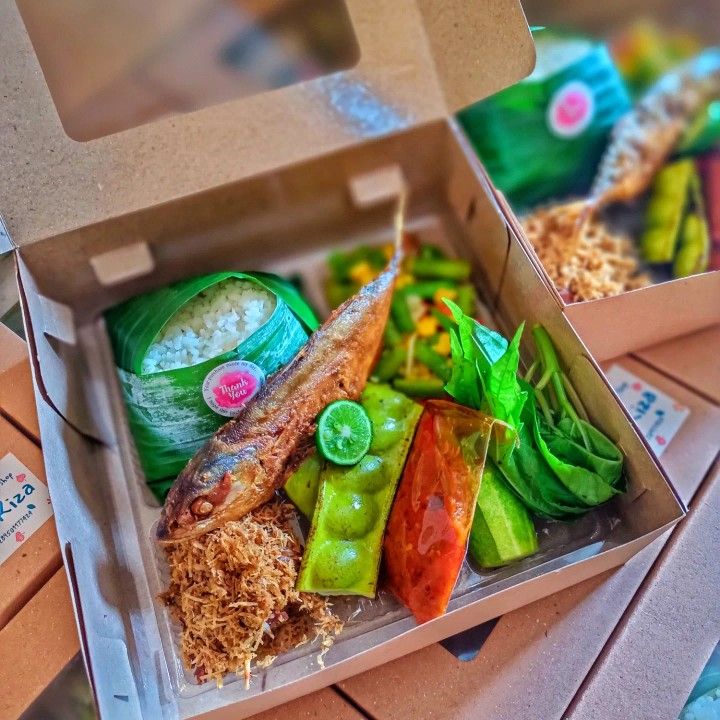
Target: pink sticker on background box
{"points": [[571, 109], [229, 386]]}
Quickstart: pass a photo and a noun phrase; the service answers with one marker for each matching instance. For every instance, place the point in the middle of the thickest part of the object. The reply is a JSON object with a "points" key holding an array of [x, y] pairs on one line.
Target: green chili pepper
{"points": [[694, 247], [337, 292], [342, 555], [420, 387], [400, 311], [392, 334], [437, 364], [390, 362], [426, 289], [443, 320], [664, 215], [339, 264], [466, 299], [502, 531], [436, 268], [430, 252]]}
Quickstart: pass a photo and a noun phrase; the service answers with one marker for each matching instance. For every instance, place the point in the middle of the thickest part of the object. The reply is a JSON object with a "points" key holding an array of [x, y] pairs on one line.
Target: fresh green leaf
{"points": [[463, 384], [603, 457], [484, 374], [492, 344], [503, 394], [535, 483], [581, 479]]}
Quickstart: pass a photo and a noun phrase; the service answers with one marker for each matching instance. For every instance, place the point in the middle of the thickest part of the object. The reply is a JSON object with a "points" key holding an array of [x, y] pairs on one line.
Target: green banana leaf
{"points": [[168, 416], [525, 158]]}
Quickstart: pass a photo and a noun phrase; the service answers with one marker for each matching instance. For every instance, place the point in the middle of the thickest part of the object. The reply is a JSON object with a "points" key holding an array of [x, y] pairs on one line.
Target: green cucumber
{"points": [[391, 360], [432, 268], [502, 530]]}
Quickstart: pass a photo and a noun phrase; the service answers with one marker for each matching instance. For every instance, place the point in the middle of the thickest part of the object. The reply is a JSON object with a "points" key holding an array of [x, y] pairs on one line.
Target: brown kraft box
{"points": [[658, 651], [274, 179], [36, 645]]}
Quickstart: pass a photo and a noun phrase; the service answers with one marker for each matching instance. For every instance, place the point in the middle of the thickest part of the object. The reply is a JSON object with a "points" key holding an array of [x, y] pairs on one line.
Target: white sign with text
{"points": [[24, 505]]}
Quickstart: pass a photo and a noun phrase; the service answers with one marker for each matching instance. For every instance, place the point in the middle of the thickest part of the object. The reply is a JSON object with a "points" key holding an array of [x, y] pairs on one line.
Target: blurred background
{"points": [[697, 17], [115, 64]]}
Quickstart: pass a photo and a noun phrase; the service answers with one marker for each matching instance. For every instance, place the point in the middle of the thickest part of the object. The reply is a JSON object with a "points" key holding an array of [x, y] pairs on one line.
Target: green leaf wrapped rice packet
{"points": [[543, 137], [172, 409]]}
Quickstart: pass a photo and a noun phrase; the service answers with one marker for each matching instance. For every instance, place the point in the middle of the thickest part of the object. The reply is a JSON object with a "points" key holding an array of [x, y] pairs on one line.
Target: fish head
{"points": [[200, 499]]}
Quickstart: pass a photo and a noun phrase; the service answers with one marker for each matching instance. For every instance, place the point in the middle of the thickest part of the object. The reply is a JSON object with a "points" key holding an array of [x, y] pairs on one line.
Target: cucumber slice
{"points": [[502, 530]]}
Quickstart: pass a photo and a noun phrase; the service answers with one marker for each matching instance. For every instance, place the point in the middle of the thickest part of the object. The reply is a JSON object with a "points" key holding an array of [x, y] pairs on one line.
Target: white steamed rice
{"points": [[212, 323]]}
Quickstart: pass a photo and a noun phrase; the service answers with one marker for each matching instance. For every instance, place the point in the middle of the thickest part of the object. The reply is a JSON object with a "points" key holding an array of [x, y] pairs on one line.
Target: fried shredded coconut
{"points": [[233, 593], [584, 263]]}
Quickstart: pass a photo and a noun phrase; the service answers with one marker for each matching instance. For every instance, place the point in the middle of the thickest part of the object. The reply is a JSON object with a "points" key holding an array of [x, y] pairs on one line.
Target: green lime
{"points": [[344, 432]]}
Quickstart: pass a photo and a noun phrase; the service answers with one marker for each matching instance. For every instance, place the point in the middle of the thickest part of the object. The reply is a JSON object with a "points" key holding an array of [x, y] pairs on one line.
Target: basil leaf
{"points": [[492, 344], [589, 486], [463, 384], [529, 475], [503, 394]]}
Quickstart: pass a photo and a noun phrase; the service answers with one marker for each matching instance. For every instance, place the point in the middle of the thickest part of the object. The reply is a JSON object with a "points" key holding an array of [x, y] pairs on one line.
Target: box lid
{"points": [[419, 60]]}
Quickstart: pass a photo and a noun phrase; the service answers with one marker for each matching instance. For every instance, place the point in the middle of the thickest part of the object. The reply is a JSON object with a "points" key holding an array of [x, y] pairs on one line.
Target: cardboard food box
{"points": [[660, 648], [692, 360], [536, 658], [274, 180], [650, 315], [668, 309], [29, 551], [17, 400]]}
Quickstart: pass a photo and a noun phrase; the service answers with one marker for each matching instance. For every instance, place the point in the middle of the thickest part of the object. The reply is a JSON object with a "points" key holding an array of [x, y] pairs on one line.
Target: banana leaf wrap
{"points": [[513, 133], [168, 415]]}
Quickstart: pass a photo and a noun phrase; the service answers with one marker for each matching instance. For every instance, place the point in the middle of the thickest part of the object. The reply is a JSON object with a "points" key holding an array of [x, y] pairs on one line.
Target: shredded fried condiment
{"points": [[584, 263], [233, 593]]}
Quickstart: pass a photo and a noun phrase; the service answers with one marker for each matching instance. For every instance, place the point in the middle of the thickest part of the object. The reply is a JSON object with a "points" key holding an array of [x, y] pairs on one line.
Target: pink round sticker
{"points": [[571, 109], [230, 385]]}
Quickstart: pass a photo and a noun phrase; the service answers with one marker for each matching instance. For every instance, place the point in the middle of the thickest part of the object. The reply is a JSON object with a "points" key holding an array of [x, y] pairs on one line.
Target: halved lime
{"points": [[344, 432]]}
